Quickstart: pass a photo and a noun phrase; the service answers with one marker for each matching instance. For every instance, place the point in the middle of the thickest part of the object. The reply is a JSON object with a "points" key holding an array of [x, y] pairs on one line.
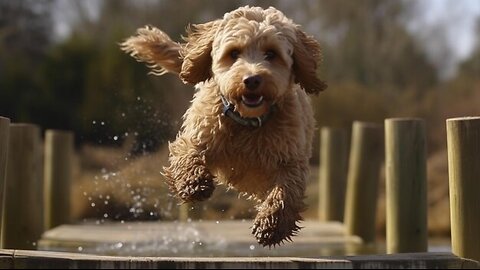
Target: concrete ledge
{"points": [[23, 259]]}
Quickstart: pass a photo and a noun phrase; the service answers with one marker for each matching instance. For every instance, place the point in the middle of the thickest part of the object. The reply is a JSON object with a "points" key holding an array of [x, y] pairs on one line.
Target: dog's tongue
{"points": [[252, 100]]}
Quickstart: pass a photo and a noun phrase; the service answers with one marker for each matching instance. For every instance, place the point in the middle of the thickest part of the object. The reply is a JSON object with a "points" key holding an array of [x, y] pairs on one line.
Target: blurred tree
{"points": [[25, 35], [373, 47], [371, 62]]}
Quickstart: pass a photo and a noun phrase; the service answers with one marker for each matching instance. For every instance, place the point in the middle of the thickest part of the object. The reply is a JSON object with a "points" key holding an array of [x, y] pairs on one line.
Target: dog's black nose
{"points": [[252, 82]]}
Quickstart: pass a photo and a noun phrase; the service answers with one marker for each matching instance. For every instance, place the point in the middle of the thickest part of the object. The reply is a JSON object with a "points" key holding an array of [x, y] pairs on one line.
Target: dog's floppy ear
{"points": [[155, 48], [196, 53], [306, 54]]}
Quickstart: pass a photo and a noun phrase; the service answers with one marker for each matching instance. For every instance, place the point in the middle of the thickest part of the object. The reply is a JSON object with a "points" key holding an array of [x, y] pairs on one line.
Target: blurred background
{"points": [[61, 67]]}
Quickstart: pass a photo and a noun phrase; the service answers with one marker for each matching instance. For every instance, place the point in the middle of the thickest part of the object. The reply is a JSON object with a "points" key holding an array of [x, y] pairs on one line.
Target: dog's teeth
{"points": [[252, 101]]}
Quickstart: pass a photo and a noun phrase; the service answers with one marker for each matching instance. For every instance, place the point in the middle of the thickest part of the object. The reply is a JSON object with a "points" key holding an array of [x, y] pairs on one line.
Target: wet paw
{"points": [[198, 188], [274, 229]]}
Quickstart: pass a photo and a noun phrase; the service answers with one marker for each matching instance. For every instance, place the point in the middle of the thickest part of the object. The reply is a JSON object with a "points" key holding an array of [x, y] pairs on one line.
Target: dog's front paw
{"points": [[196, 190], [274, 229], [198, 186]]}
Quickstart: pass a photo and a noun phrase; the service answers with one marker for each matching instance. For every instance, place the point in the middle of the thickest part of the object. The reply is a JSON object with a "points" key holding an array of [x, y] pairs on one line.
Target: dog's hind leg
{"points": [[279, 213], [187, 175]]}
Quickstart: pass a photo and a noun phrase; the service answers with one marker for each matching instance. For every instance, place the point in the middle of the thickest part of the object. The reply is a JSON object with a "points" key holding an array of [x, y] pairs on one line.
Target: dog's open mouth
{"points": [[252, 100]]}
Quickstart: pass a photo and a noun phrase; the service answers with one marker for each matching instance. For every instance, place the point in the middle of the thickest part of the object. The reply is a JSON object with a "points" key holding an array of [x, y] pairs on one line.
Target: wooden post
{"points": [[463, 140], [59, 148], [366, 157], [183, 212], [23, 212], [406, 195], [333, 173], [4, 132]]}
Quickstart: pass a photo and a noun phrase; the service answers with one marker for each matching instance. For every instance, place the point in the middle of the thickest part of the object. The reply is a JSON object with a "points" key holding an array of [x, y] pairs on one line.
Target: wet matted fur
{"points": [[261, 64]]}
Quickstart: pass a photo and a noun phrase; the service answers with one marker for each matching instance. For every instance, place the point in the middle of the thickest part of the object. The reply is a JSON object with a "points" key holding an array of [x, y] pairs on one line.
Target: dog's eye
{"points": [[270, 55], [234, 54]]}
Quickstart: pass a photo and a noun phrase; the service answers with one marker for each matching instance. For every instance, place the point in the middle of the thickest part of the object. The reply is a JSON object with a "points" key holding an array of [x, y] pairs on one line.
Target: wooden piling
{"points": [[183, 212], [406, 195], [333, 173], [463, 141], [4, 133], [366, 157], [59, 149], [23, 211]]}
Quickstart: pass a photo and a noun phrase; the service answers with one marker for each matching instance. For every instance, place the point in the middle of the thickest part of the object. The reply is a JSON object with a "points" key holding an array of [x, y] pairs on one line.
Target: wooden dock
{"points": [[209, 244], [195, 239], [23, 259]]}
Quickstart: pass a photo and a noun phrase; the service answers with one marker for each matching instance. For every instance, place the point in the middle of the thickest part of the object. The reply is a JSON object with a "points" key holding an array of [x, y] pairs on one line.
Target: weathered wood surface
{"points": [[23, 211], [21, 259], [406, 185], [205, 238], [366, 158], [333, 173], [463, 136], [4, 139], [59, 148]]}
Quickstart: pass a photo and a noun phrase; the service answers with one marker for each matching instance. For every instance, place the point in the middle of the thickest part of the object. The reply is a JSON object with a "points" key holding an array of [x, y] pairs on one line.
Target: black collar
{"points": [[229, 110]]}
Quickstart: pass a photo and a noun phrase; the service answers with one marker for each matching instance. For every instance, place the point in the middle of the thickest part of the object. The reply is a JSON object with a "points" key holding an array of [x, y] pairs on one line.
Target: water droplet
{"points": [[105, 215], [217, 222], [105, 202], [122, 221], [107, 197], [252, 247], [80, 248], [102, 123], [119, 245], [115, 138], [94, 122], [93, 204]]}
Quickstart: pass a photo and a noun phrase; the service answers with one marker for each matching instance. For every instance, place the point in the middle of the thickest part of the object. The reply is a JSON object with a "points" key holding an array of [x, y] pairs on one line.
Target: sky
{"points": [[461, 21], [453, 20]]}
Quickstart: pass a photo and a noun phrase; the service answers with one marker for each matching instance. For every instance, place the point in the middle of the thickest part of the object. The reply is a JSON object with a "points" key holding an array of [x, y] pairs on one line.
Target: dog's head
{"points": [[254, 55]]}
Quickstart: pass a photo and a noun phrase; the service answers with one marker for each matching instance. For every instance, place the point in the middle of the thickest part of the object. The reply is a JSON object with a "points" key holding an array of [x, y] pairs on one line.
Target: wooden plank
{"points": [[228, 238], [49, 260]]}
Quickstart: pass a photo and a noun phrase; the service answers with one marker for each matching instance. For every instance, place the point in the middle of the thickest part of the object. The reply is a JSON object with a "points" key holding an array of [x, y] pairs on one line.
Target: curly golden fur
{"points": [[257, 59]]}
